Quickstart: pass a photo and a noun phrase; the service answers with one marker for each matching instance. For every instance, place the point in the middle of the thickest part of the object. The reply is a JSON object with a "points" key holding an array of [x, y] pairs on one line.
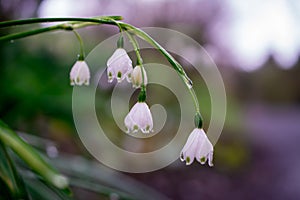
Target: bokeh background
{"points": [[255, 45]]}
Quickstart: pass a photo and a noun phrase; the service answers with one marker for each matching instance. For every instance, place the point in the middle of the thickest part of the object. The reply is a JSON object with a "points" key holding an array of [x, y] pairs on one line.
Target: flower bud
{"points": [[137, 76]]}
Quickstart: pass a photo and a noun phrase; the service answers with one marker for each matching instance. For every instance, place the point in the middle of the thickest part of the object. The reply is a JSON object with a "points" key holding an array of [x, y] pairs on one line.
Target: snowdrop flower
{"points": [[119, 65], [197, 146], [80, 73], [139, 117], [137, 76]]}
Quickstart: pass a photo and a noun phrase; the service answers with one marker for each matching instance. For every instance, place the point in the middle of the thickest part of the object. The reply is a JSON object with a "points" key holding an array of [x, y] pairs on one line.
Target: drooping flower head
{"points": [[80, 73], [137, 75], [119, 65], [197, 146], [139, 118]]}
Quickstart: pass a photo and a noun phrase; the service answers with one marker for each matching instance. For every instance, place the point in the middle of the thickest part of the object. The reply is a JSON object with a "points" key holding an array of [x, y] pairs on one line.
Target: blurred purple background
{"points": [[256, 46]]}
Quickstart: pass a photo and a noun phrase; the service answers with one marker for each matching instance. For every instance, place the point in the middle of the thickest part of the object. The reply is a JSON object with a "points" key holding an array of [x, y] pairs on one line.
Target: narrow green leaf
{"points": [[41, 190], [31, 157], [10, 177]]}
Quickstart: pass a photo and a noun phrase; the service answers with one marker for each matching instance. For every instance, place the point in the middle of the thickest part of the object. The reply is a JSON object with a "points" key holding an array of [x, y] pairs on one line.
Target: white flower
{"points": [[80, 73], [137, 76], [119, 65], [197, 146], [139, 117]]}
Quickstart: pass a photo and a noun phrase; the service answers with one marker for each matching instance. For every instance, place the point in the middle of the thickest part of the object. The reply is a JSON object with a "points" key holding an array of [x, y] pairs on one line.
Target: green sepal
{"points": [[80, 57], [120, 43], [11, 182], [198, 120], [142, 95]]}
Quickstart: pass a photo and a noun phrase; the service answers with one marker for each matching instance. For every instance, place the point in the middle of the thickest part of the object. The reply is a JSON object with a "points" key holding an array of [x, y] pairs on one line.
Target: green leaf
{"points": [[10, 178], [94, 177], [31, 157], [41, 190]]}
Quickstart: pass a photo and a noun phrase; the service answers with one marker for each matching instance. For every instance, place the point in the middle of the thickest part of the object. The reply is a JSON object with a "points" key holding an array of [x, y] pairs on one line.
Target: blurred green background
{"points": [[257, 154]]}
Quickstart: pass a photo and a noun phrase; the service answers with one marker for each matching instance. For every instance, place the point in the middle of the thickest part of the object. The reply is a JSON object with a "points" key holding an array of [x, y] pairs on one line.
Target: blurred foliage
{"points": [[33, 82], [36, 97], [270, 84]]}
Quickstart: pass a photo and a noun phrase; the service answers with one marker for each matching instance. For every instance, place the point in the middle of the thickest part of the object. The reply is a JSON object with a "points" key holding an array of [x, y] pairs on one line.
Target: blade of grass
{"points": [[10, 177], [41, 190], [31, 157]]}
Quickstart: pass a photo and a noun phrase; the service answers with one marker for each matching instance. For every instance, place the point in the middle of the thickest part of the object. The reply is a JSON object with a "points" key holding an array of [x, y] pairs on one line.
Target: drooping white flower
{"points": [[119, 65], [137, 76], [80, 73], [197, 146], [139, 117]]}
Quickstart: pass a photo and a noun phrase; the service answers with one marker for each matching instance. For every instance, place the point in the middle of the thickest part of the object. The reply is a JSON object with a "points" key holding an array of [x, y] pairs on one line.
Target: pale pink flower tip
{"points": [[80, 73], [139, 118], [119, 65], [197, 146]]}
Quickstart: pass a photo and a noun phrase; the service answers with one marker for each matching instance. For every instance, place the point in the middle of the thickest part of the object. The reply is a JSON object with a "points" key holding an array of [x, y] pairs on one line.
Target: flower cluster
{"points": [[119, 67]]}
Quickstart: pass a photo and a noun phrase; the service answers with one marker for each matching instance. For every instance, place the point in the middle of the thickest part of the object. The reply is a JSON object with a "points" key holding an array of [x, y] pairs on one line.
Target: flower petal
{"points": [[190, 139], [141, 117], [80, 73], [119, 65], [204, 148], [197, 146]]}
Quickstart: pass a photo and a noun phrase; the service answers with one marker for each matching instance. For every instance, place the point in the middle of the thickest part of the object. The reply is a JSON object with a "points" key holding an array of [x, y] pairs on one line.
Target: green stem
{"points": [[142, 95], [81, 55], [135, 44], [122, 34], [32, 32], [81, 22], [31, 157], [99, 20], [195, 99], [10, 176], [136, 48], [111, 20], [151, 41], [168, 56]]}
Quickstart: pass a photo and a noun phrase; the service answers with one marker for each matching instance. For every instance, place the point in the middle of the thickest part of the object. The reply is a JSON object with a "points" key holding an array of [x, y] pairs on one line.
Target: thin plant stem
{"points": [[15, 36], [110, 20], [138, 32], [98, 20], [82, 54], [139, 60], [73, 23]]}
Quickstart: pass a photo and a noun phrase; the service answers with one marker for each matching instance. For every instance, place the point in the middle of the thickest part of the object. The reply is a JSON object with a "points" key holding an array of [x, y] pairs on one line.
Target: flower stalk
{"points": [[75, 23], [142, 95], [82, 54], [96, 20], [72, 23]]}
